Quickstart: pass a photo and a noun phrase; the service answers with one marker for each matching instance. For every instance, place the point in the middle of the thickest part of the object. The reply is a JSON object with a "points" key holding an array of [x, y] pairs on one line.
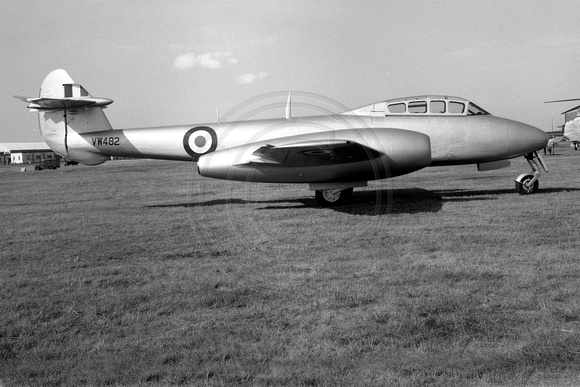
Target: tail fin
{"points": [[66, 110]]}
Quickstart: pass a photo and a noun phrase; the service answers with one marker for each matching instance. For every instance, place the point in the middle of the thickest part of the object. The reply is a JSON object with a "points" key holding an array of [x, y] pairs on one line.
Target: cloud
{"points": [[247, 79], [209, 60]]}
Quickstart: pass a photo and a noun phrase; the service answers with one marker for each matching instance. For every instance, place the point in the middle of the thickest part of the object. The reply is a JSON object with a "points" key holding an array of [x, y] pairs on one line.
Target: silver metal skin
{"points": [[376, 141]]}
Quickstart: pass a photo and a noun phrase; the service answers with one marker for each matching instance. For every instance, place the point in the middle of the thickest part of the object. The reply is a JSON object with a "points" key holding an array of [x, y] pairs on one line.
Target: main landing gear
{"points": [[332, 197], [334, 194], [526, 183]]}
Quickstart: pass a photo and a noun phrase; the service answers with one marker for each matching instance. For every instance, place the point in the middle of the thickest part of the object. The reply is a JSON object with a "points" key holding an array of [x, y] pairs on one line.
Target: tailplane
{"points": [[67, 110]]}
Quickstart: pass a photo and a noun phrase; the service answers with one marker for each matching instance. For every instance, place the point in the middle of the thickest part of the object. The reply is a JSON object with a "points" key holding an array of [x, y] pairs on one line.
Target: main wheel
{"points": [[332, 197], [522, 185]]}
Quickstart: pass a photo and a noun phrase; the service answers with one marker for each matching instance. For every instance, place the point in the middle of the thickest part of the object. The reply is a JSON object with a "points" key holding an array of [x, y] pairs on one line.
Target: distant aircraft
{"points": [[572, 122], [331, 153]]}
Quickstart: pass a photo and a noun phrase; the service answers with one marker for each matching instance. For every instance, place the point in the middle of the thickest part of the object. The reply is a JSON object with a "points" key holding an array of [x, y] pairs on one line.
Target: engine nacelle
{"points": [[342, 155]]}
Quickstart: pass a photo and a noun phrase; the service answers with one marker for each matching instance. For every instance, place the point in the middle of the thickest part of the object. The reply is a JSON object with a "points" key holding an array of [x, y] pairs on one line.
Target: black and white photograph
{"points": [[303, 193]]}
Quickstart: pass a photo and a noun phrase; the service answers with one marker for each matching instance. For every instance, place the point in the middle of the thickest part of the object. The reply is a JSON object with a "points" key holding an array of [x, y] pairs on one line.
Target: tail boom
{"points": [[154, 143]]}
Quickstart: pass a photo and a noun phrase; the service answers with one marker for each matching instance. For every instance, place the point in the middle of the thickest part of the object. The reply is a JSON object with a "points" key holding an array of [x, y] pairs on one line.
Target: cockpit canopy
{"points": [[423, 105]]}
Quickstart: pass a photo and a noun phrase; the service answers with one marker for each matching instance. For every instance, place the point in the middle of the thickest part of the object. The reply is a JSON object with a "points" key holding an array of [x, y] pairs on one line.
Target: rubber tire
{"points": [[332, 197], [523, 190]]}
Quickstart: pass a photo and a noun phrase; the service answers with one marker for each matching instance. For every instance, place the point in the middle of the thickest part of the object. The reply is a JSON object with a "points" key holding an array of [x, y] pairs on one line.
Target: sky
{"points": [[178, 62]]}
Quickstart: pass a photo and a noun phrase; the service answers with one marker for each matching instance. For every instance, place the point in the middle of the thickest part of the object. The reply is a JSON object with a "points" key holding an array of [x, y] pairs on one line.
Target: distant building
{"points": [[24, 152], [572, 114]]}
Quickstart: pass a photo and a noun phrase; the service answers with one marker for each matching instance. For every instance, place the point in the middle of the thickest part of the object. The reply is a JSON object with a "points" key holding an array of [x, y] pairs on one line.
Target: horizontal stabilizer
{"points": [[39, 103], [60, 92]]}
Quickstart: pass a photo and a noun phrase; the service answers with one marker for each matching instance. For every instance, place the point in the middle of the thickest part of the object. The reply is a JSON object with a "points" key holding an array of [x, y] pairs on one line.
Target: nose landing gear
{"points": [[526, 183]]}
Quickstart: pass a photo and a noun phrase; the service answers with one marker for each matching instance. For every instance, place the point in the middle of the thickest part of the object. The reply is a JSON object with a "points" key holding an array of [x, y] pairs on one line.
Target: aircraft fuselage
{"points": [[454, 139]]}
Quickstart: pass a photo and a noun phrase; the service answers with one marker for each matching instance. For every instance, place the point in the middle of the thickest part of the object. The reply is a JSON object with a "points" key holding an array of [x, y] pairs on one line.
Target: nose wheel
{"points": [[526, 183]]}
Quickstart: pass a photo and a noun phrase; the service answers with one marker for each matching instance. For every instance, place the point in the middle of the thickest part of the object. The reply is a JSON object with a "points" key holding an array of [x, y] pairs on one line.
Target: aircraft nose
{"points": [[524, 139]]}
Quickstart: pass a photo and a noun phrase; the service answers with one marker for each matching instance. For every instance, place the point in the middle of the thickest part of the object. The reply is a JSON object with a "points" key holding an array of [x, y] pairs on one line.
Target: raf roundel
{"points": [[199, 141]]}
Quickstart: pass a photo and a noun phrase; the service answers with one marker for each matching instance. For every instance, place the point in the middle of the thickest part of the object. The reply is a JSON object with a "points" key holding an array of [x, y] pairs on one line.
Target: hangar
{"points": [[24, 152]]}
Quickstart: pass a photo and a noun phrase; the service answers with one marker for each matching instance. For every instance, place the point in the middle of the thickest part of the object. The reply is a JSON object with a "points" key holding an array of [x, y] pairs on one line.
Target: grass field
{"points": [[143, 273]]}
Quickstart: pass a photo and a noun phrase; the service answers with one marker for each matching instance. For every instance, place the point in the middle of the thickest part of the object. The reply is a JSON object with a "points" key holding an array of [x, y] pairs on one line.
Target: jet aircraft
{"points": [[331, 153], [572, 122]]}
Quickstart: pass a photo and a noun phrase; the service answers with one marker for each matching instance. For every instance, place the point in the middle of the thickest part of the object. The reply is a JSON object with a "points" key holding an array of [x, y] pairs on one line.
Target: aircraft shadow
{"points": [[379, 202], [488, 193], [208, 203], [360, 203], [393, 201]]}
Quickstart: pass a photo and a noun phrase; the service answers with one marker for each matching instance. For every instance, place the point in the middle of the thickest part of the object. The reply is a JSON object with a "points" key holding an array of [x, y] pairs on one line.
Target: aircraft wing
{"points": [[329, 156], [314, 153]]}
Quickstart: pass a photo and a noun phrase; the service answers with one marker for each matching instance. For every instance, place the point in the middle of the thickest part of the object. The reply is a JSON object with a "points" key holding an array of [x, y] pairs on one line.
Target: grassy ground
{"points": [[144, 273]]}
